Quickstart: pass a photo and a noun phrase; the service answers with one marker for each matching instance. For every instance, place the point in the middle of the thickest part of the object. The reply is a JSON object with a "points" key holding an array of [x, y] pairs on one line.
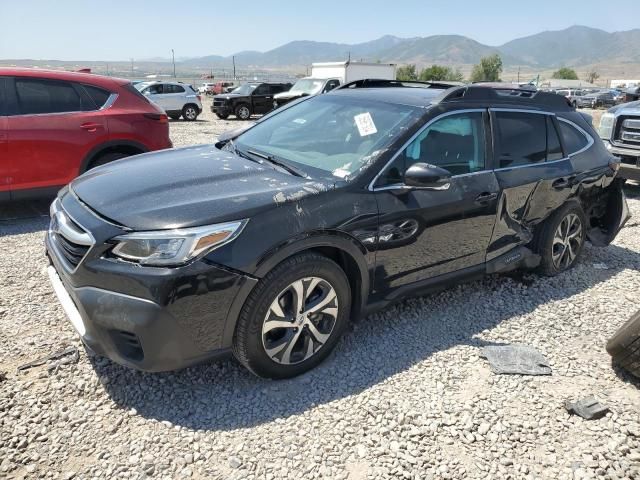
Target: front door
{"points": [[427, 232], [262, 99]]}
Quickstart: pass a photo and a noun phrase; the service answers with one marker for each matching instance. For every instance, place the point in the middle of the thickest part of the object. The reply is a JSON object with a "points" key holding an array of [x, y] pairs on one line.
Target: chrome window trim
{"points": [[110, 101], [522, 110], [590, 140], [371, 187]]}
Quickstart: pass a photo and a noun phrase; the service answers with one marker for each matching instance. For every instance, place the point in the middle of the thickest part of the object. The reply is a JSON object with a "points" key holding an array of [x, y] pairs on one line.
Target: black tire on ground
{"points": [[250, 342], [174, 116], [557, 257], [222, 116], [624, 345], [190, 112], [243, 111], [106, 158]]}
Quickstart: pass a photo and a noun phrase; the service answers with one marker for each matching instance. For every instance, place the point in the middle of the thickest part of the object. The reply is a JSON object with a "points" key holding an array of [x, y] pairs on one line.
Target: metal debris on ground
{"points": [[65, 356], [587, 407], [600, 266], [516, 359]]}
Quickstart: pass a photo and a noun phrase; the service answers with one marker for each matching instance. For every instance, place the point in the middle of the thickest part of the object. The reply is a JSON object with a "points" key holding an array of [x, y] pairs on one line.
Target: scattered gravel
{"points": [[406, 394]]}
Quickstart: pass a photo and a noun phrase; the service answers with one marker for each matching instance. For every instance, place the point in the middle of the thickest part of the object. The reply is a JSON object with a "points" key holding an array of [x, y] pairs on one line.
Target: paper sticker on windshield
{"points": [[365, 124]]}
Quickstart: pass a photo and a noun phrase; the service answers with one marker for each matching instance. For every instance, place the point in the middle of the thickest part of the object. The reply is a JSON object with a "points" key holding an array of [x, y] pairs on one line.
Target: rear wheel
{"points": [[294, 317], [560, 239], [106, 158], [190, 113], [243, 112]]}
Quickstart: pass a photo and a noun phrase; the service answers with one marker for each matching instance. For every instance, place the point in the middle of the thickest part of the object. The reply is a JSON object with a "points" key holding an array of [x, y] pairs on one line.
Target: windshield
{"points": [[336, 134], [308, 85], [245, 89]]}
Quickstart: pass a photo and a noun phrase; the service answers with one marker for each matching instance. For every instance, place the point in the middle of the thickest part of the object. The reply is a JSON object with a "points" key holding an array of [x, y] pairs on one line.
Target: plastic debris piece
{"points": [[516, 360], [600, 266], [73, 351], [587, 407]]}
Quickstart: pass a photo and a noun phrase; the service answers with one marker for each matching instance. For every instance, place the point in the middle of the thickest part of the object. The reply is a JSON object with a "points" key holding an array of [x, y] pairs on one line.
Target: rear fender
{"points": [[607, 213]]}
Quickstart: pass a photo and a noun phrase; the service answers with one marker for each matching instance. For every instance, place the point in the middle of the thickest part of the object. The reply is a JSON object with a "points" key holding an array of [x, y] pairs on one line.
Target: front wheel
{"points": [[222, 116], [561, 238], [293, 318]]}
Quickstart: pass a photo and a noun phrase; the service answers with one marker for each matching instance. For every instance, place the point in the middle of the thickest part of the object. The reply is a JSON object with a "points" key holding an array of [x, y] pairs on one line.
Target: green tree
{"points": [[592, 76], [565, 73], [407, 72], [488, 70], [436, 73]]}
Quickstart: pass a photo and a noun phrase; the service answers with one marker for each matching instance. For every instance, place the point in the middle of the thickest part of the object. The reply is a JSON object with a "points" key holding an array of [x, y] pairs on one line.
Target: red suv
{"points": [[56, 125]]}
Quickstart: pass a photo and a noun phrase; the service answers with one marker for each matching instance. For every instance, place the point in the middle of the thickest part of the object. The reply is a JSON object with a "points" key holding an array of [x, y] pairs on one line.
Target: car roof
{"points": [[80, 77], [413, 96]]}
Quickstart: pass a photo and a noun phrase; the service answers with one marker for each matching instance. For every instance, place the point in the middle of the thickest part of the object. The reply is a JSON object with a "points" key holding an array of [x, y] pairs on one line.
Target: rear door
{"points": [[4, 158], [426, 232], [534, 174], [55, 126], [155, 93], [174, 97]]}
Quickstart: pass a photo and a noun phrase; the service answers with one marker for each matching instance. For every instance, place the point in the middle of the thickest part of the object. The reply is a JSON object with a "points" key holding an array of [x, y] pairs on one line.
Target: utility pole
{"points": [[173, 59], [518, 74], [233, 58]]}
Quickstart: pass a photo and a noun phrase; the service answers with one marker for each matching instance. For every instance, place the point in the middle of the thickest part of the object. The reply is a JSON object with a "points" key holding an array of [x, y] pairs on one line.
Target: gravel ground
{"points": [[406, 394]]}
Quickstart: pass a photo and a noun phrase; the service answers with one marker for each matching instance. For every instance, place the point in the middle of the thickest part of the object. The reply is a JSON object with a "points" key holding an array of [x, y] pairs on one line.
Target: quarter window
{"points": [[572, 139], [554, 149], [45, 96], [455, 143], [98, 95]]}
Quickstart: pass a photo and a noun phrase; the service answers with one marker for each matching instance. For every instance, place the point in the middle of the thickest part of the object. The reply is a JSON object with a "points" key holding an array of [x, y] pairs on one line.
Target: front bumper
{"points": [[221, 109], [148, 318], [630, 160]]}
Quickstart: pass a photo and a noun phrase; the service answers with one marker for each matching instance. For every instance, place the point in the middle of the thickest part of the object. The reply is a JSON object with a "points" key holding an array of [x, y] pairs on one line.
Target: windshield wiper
{"points": [[289, 168], [240, 153]]}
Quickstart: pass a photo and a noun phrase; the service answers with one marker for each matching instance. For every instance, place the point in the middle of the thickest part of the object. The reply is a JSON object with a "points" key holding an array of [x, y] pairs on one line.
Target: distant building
{"points": [[558, 83], [625, 83]]}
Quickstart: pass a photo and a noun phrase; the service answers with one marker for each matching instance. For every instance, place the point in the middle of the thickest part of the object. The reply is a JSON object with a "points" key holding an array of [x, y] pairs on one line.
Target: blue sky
{"points": [[119, 30]]}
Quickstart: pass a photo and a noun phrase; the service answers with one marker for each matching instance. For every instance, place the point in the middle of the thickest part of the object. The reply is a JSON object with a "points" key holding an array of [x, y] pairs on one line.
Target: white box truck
{"points": [[329, 75]]}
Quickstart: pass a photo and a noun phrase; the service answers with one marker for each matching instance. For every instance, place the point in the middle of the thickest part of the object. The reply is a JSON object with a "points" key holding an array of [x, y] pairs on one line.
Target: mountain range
{"points": [[573, 46]]}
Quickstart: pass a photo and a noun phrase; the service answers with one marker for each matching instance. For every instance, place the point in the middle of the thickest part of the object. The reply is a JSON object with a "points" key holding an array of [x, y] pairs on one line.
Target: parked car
{"points": [[620, 130], [248, 99], [206, 88], [305, 87], [176, 98], [335, 206], [56, 125], [596, 100], [223, 87], [571, 95]]}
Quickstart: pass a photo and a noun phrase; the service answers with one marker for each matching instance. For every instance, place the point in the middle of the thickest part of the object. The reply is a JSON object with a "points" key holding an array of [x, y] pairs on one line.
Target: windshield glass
{"points": [[337, 134], [308, 85], [245, 89]]}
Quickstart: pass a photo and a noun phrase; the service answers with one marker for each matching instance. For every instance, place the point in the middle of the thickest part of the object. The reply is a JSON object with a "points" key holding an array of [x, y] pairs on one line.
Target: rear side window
{"points": [[169, 88], [46, 96], [521, 138], [98, 95], [3, 99], [572, 139]]}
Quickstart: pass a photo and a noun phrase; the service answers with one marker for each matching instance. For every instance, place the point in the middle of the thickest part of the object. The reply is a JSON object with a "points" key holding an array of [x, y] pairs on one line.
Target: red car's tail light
{"points": [[158, 117]]}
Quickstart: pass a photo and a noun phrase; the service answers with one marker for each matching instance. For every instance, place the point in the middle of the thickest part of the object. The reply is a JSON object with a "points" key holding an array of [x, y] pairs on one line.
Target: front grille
{"points": [[128, 344], [627, 131], [71, 242]]}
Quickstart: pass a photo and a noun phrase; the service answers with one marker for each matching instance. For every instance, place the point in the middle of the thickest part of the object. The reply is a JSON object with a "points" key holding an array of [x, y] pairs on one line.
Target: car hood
{"points": [[290, 94], [188, 187]]}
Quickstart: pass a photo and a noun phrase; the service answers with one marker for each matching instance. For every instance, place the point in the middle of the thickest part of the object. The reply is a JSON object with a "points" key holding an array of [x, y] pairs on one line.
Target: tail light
{"points": [[199, 98], [158, 117]]}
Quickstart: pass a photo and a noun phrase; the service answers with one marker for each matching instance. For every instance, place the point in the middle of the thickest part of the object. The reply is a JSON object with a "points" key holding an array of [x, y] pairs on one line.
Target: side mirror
{"points": [[423, 175]]}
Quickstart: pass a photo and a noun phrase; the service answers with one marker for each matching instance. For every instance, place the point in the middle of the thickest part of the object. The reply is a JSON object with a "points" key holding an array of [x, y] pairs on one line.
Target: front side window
{"points": [[455, 143], [334, 134], [46, 96]]}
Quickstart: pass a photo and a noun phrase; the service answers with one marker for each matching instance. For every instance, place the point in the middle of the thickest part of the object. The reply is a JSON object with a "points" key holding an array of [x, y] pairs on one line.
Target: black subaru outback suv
{"points": [[248, 99], [269, 243]]}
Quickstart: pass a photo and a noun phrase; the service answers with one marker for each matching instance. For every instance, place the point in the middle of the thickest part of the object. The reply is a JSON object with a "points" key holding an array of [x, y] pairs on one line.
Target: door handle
{"points": [[486, 197], [90, 127]]}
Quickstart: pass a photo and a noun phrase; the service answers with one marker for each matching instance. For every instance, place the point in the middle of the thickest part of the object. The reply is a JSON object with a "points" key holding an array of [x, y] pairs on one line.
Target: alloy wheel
{"points": [[567, 241], [300, 320], [190, 113], [244, 113]]}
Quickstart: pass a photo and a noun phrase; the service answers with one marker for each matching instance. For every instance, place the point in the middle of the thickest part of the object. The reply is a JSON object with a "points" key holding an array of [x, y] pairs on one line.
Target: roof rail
{"points": [[381, 83], [502, 92]]}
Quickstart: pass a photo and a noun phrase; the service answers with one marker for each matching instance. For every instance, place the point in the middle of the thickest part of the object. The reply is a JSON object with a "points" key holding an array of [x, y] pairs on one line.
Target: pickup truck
{"points": [[620, 130], [248, 99]]}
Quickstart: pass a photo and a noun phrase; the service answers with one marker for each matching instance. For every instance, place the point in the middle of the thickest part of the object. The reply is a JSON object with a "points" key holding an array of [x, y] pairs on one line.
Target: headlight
{"points": [[605, 130], [175, 247]]}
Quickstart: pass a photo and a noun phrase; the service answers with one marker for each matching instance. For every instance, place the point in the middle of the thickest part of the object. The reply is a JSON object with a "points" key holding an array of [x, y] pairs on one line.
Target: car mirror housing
{"points": [[424, 175]]}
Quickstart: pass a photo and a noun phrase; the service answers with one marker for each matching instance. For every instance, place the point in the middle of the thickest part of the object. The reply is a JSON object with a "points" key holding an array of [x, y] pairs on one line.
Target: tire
{"points": [[107, 158], [243, 112], [282, 351], [222, 116], [558, 256], [190, 112], [624, 345]]}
